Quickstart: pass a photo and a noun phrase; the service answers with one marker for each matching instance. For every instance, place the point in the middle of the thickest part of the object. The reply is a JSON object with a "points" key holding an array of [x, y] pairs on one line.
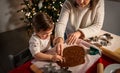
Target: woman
{"points": [[79, 19]]}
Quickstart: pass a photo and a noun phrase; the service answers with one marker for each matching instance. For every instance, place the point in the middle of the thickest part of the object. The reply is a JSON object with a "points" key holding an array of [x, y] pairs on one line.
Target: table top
{"points": [[92, 69], [115, 42]]}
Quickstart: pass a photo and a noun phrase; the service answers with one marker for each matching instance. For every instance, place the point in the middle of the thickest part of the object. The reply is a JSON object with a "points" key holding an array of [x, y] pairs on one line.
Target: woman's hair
{"points": [[92, 3], [42, 21]]}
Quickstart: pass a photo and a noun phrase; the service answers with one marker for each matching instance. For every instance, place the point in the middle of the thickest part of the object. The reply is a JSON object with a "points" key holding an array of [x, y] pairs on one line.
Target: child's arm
{"points": [[43, 56]]}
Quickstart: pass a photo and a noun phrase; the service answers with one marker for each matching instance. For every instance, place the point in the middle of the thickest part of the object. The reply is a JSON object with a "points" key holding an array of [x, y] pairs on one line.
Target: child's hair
{"points": [[42, 21]]}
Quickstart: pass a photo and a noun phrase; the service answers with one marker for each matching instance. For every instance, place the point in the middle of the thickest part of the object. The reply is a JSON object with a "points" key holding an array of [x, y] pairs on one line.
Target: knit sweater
{"points": [[72, 19]]}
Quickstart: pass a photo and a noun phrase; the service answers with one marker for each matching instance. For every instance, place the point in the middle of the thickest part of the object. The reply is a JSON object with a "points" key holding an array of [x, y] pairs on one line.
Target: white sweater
{"points": [[88, 21], [37, 45]]}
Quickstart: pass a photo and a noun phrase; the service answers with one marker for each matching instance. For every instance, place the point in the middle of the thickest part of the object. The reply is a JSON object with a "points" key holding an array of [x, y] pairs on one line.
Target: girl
{"points": [[39, 42]]}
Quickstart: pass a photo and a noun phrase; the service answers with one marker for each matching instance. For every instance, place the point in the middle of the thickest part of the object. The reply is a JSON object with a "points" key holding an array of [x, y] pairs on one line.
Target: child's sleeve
{"points": [[34, 46]]}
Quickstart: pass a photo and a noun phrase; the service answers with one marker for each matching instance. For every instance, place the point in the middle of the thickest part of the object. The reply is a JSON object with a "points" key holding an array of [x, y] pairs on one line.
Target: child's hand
{"points": [[56, 58]]}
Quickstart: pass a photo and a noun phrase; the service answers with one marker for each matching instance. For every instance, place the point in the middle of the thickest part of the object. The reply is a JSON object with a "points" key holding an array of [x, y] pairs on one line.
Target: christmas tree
{"points": [[31, 7]]}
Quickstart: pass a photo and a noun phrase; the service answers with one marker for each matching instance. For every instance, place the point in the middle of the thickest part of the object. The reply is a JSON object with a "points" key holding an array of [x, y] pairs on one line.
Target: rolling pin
{"points": [[35, 69], [100, 67], [111, 54]]}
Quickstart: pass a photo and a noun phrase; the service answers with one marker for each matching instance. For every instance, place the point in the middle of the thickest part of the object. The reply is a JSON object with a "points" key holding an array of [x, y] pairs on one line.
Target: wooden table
{"points": [[106, 60], [115, 42]]}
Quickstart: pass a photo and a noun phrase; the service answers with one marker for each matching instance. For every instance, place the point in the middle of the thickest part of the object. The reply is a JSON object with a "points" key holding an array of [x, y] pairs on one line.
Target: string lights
{"points": [[31, 7]]}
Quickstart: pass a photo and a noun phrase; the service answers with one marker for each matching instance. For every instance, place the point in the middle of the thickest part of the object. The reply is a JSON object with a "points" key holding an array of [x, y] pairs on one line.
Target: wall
{"points": [[112, 17], [9, 18]]}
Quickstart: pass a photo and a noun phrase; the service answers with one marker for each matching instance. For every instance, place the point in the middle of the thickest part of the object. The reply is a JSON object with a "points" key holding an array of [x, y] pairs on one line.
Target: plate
{"points": [[111, 68]]}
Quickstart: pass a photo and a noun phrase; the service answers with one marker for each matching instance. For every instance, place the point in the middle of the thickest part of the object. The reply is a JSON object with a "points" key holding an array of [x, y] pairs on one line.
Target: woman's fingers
{"points": [[71, 39], [59, 48]]}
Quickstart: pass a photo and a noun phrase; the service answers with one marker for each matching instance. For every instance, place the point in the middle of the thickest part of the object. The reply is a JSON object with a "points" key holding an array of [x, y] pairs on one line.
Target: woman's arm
{"points": [[63, 19], [61, 26]]}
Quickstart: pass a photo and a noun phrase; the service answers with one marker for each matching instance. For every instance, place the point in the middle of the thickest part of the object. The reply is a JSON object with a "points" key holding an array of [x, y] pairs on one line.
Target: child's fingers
{"points": [[60, 58]]}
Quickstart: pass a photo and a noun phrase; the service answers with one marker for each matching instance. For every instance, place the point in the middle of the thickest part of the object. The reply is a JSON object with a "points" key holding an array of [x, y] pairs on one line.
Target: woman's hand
{"points": [[72, 38], [59, 46]]}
